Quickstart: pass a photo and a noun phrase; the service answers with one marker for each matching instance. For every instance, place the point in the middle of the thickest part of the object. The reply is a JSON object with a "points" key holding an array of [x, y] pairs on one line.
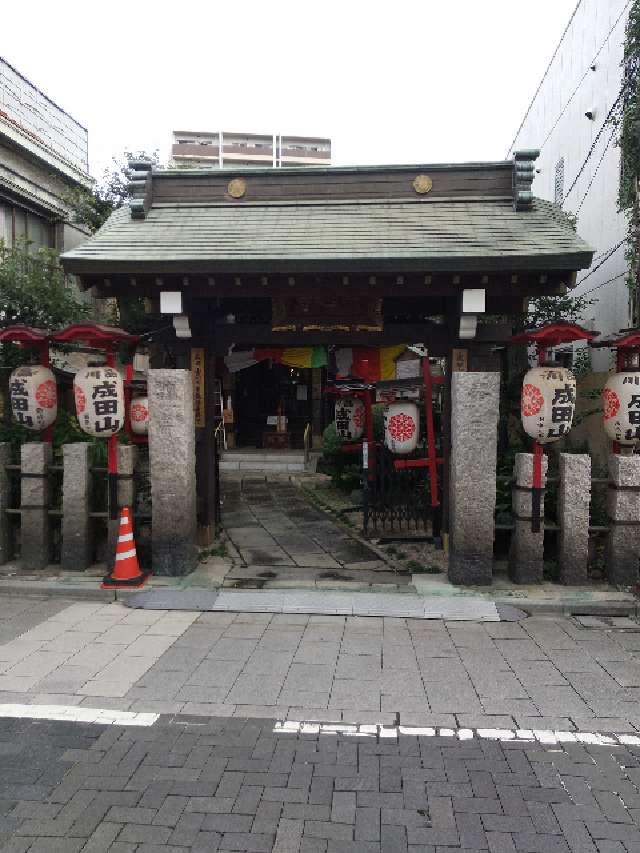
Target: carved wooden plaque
{"points": [[337, 312]]}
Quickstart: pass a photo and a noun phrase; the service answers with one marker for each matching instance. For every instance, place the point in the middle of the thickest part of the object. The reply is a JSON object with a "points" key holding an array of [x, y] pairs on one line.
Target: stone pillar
{"points": [[5, 502], [173, 476], [526, 552], [35, 547], [76, 488], [623, 509], [474, 423], [574, 497], [126, 491]]}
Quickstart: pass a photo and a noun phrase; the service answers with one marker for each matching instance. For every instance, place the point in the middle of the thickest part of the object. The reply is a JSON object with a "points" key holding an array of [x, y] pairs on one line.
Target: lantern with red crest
{"points": [[33, 393], [350, 418], [139, 415], [401, 427], [621, 393], [548, 397], [34, 397]]}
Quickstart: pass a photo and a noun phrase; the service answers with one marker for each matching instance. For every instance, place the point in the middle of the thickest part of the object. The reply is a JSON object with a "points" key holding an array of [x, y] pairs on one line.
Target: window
{"points": [[558, 195], [17, 224]]}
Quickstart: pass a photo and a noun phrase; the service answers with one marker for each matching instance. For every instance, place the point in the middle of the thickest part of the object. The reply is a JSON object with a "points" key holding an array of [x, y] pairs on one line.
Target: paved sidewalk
{"points": [[542, 673], [236, 785]]}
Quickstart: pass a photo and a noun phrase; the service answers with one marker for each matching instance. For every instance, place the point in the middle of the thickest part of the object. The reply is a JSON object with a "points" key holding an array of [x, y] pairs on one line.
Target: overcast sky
{"points": [[428, 81]]}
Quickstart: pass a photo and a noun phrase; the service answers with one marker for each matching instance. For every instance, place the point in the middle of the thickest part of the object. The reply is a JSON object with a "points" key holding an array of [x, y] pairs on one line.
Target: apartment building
{"points": [[198, 150]]}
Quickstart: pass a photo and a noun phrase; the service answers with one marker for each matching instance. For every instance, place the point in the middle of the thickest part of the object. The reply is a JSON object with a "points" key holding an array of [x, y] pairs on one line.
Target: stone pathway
{"points": [[281, 538]]}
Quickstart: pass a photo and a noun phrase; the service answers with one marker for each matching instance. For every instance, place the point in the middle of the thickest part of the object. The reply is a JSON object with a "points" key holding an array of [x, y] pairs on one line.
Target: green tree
{"points": [[555, 309], [91, 208], [35, 291]]}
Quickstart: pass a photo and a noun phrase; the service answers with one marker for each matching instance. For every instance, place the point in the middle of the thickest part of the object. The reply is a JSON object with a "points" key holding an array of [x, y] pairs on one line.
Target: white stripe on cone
{"points": [[125, 537], [126, 554]]}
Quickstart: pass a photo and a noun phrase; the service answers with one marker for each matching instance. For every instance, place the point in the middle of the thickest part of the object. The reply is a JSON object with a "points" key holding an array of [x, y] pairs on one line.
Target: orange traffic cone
{"points": [[126, 572]]}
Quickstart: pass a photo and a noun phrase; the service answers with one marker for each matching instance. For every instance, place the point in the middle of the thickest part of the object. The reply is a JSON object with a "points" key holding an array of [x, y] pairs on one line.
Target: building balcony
{"points": [[191, 149]]}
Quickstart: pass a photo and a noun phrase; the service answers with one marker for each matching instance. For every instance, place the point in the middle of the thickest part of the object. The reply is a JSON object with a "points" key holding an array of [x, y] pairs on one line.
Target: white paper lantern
{"points": [[34, 397], [99, 394], [621, 407], [401, 427], [350, 416], [139, 415], [548, 403]]}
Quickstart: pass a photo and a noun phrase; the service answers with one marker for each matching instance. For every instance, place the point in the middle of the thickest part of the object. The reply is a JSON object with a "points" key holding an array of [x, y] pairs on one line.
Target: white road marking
{"points": [[524, 735], [76, 714]]}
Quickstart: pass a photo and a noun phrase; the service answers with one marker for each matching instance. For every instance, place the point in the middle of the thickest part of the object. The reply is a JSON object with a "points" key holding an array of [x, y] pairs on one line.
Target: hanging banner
{"points": [[197, 377]]}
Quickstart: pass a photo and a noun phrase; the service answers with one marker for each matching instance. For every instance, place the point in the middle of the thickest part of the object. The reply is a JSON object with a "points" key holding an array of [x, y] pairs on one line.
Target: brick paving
{"points": [[202, 784]]}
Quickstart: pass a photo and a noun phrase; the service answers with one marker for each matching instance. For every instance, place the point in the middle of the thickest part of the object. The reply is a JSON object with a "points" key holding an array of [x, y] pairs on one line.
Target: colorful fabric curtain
{"points": [[371, 364], [291, 356]]}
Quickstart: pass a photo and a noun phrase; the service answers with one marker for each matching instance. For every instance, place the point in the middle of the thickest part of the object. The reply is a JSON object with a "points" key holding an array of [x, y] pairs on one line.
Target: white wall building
{"points": [[43, 155], [565, 120]]}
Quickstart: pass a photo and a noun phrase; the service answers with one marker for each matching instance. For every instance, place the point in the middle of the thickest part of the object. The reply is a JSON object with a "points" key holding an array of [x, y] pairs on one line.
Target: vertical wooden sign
{"points": [[459, 360], [197, 377]]}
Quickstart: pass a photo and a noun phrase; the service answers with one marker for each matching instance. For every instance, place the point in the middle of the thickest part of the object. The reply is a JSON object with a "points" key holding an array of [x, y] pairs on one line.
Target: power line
{"points": [[609, 254], [602, 284], [586, 73], [595, 171], [597, 139]]}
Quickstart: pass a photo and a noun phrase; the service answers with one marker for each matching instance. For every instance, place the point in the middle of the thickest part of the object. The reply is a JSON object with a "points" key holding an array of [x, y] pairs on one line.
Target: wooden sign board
{"points": [[459, 360], [197, 377]]}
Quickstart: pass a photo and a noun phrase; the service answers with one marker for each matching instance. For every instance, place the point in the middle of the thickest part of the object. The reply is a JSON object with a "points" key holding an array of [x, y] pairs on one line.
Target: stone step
{"points": [[257, 465], [266, 456]]}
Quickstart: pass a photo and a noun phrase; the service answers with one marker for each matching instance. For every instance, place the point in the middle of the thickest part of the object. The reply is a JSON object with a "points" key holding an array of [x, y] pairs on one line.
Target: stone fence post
{"points": [[623, 509], [5, 501], [126, 492], [173, 476], [35, 546], [76, 485], [526, 552], [574, 498], [472, 490]]}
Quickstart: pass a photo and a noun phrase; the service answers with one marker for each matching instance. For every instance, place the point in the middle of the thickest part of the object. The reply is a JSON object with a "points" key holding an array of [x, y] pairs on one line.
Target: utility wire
{"points": [[586, 73], [602, 284], [597, 139], [595, 171], [610, 254]]}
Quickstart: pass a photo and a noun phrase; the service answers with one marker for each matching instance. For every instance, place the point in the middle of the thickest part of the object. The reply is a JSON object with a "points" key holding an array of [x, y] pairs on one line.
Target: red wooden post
{"points": [[431, 439]]}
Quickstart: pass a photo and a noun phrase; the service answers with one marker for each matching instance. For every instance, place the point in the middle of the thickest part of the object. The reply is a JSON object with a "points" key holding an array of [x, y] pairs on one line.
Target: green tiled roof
{"points": [[447, 234]]}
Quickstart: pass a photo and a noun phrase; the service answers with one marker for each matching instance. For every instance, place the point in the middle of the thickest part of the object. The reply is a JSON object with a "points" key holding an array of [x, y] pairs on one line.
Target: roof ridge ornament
{"points": [[138, 171], [523, 175]]}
